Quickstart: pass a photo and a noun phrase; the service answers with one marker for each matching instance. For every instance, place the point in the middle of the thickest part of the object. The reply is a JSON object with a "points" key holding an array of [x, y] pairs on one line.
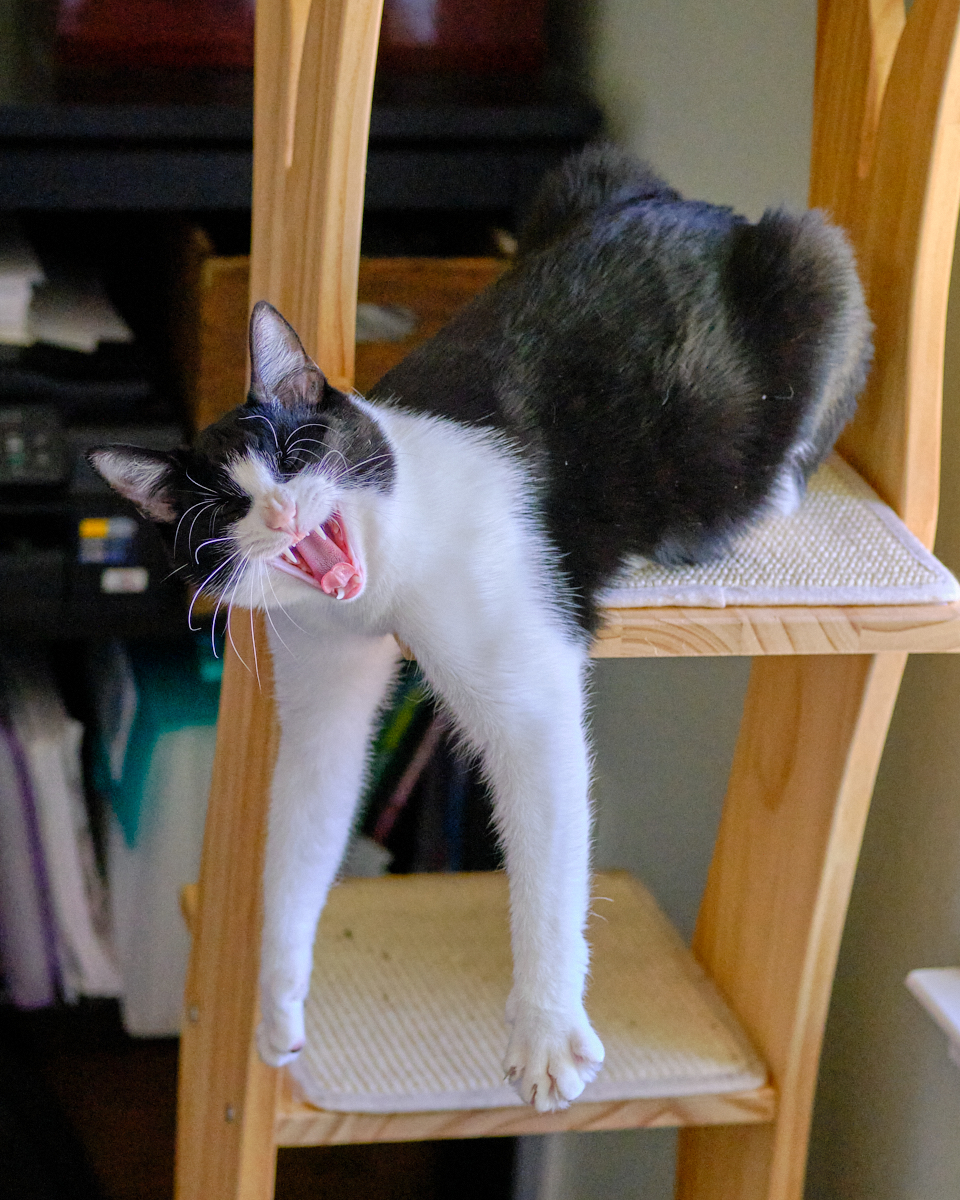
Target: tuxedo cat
{"points": [[650, 377]]}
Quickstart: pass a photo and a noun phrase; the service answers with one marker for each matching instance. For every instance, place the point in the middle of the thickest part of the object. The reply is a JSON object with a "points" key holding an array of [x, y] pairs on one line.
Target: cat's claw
{"points": [[281, 1039], [549, 1062], [270, 1054]]}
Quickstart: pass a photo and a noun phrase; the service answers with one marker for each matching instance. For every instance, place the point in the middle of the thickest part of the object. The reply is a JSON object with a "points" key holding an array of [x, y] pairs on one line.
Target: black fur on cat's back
{"points": [[664, 367]]}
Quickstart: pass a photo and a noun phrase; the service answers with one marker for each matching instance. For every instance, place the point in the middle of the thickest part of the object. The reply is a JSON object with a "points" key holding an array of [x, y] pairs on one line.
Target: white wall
{"points": [[715, 93], [887, 1123]]}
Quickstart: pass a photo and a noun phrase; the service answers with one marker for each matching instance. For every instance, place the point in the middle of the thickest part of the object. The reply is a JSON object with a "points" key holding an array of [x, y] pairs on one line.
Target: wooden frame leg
{"points": [[313, 78], [776, 899], [227, 1098]]}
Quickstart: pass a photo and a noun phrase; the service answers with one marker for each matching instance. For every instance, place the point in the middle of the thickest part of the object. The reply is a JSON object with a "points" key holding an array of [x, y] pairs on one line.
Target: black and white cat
{"points": [[649, 378]]}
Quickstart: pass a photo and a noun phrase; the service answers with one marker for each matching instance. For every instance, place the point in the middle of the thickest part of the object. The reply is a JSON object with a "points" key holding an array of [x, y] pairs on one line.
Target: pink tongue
{"points": [[337, 577], [327, 562], [321, 554]]}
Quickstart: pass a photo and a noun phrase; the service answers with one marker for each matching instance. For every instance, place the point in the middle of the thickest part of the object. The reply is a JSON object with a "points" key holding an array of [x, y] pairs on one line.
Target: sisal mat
{"points": [[843, 545], [411, 975]]}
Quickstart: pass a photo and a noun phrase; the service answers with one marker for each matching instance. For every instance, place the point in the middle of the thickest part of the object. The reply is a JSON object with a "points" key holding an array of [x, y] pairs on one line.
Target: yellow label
{"points": [[94, 527]]}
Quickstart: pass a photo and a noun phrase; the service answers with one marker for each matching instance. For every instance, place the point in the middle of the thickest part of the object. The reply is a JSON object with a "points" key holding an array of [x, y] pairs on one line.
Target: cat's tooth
{"points": [[288, 555], [319, 530], [341, 592]]}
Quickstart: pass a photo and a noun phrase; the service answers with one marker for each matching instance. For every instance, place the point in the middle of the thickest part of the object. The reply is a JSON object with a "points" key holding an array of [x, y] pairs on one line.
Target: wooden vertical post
{"points": [[885, 164], [227, 1097], [772, 916], [313, 93]]}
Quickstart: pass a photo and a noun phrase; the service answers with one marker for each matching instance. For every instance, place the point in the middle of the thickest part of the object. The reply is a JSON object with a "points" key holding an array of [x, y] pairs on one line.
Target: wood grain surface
{"points": [[692, 632], [299, 1124]]}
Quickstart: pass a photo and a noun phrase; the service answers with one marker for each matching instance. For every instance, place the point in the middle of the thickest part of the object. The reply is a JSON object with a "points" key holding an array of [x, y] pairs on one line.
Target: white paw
{"points": [[280, 1035], [551, 1059]]}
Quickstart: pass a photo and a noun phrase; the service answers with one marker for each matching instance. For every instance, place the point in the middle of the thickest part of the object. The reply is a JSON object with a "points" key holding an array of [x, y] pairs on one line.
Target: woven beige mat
{"points": [[411, 975], [843, 545]]}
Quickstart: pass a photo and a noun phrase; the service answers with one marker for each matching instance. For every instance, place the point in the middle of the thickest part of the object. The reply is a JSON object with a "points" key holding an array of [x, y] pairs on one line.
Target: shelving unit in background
{"points": [[433, 146]]}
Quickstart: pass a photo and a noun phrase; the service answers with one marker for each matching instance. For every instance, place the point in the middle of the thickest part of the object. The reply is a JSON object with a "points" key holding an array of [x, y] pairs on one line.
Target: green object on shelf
{"points": [[176, 688]]}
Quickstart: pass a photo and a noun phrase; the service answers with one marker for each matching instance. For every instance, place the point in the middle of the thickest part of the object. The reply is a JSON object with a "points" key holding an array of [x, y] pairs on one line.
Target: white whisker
{"points": [[263, 593], [201, 487], [261, 417], [239, 571], [216, 611], [253, 639], [176, 533], [209, 542], [202, 586], [193, 523], [269, 579]]}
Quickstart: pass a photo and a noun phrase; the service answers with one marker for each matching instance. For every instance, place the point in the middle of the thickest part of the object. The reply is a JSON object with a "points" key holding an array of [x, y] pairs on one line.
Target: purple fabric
{"points": [[38, 861]]}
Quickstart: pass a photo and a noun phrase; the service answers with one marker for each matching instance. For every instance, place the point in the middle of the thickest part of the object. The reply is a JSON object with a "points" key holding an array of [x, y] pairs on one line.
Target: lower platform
{"points": [[406, 1034]]}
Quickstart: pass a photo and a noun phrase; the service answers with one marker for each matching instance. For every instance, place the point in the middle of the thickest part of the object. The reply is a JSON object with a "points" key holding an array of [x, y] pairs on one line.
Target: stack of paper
{"points": [[20, 272], [69, 309], [28, 948], [60, 846], [75, 312]]}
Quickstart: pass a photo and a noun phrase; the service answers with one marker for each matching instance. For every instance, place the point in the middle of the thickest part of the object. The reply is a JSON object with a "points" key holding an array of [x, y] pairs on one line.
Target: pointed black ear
{"points": [[143, 476], [280, 368]]}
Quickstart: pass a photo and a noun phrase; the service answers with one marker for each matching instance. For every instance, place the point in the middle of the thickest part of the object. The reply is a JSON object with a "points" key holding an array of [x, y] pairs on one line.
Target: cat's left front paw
{"points": [[280, 1036], [550, 1060]]}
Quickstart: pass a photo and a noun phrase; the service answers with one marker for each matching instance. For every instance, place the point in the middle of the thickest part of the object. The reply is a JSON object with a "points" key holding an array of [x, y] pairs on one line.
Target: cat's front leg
{"points": [[540, 779], [328, 694], [523, 710]]}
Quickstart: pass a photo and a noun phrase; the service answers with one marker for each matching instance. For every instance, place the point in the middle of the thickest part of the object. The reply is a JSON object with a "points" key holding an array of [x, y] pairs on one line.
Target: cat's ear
{"points": [[143, 476], [280, 369]]}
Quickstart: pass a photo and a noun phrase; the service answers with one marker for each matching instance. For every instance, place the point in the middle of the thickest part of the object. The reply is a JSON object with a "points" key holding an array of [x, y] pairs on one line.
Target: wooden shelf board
{"points": [[300, 1124], [748, 631]]}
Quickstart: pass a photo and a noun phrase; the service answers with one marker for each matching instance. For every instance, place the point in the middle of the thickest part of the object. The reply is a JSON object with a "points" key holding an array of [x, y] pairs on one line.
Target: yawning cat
{"points": [[651, 376]]}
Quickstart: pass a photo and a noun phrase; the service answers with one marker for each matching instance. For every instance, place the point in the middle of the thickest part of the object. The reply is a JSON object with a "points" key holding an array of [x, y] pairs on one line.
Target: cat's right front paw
{"points": [[281, 1037], [550, 1059]]}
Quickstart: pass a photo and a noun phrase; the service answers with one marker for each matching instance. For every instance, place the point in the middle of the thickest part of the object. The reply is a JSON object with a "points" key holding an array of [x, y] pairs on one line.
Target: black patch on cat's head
{"points": [[293, 420], [297, 417], [190, 496]]}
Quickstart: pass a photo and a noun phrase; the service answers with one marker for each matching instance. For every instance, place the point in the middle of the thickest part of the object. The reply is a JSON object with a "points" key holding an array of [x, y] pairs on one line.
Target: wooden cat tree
{"points": [[886, 165]]}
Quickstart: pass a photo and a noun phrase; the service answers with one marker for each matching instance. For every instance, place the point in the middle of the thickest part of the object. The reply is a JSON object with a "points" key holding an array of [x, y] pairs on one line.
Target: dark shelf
{"points": [[433, 144], [66, 124], [125, 157]]}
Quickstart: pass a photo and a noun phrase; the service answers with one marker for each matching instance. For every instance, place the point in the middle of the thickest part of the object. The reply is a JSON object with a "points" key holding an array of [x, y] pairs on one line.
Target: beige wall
{"points": [[714, 92], [717, 95], [887, 1125]]}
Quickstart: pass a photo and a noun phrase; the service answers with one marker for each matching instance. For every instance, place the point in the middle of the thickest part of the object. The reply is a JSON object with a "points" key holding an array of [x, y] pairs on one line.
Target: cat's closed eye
{"points": [[232, 508]]}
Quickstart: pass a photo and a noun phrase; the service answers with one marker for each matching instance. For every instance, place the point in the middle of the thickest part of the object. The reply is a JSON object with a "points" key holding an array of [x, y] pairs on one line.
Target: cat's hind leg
{"points": [[329, 692]]}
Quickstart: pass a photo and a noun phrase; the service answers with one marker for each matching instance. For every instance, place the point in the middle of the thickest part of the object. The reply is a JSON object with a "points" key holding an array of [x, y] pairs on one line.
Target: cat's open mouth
{"points": [[325, 560]]}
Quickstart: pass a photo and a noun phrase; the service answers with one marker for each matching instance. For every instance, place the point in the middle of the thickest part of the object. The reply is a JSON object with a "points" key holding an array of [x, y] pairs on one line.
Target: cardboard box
{"points": [[211, 322]]}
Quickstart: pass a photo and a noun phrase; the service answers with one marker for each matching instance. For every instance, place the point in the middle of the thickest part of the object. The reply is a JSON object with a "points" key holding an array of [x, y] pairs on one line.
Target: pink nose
{"points": [[280, 514]]}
